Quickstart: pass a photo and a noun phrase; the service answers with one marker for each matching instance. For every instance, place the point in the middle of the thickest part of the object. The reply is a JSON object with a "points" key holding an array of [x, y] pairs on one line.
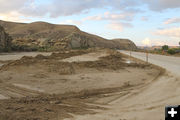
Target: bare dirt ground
{"points": [[79, 84], [18, 55]]}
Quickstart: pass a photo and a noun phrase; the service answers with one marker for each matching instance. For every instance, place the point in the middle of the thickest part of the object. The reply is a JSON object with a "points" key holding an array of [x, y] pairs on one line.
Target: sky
{"points": [[145, 22]]}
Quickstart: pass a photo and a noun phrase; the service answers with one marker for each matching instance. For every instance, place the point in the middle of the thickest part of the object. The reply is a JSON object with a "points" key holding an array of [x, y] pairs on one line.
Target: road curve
{"points": [[170, 63]]}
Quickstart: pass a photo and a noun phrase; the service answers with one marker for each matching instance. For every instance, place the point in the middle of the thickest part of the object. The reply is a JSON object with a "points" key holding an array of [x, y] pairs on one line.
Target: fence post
{"points": [[147, 56]]}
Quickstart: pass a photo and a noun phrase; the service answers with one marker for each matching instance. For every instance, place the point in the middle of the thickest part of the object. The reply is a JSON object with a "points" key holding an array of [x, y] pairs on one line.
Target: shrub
{"points": [[171, 51], [24, 48]]}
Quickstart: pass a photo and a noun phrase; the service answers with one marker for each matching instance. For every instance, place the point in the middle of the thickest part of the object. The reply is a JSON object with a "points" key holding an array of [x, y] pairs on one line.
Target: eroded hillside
{"points": [[5, 40], [46, 35]]}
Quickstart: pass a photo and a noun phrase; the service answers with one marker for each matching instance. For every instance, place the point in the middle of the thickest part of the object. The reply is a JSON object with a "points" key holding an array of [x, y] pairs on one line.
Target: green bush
{"points": [[171, 51], [24, 48], [6, 49]]}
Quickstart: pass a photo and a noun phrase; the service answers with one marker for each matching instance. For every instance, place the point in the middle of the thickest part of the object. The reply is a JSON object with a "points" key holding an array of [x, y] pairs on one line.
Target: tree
{"points": [[165, 47]]}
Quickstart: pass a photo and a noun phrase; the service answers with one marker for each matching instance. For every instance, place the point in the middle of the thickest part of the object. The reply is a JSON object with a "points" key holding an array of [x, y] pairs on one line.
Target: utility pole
{"points": [[147, 56]]}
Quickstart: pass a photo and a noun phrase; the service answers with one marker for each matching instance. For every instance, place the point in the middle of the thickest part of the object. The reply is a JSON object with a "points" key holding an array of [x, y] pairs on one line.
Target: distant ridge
{"points": [[43, 34]]}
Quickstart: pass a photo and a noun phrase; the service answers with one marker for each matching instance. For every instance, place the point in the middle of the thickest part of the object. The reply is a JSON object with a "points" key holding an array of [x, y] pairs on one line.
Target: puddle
{"points": [[28, 87]]}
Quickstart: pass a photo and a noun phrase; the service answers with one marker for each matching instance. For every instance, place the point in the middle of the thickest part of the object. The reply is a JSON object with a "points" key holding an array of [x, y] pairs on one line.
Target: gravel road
{"points": [[170, 63]]}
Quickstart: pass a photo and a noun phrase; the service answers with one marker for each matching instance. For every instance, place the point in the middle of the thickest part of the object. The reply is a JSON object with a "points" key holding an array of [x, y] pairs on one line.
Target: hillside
{"points": [[5, 40], [42, 34]]}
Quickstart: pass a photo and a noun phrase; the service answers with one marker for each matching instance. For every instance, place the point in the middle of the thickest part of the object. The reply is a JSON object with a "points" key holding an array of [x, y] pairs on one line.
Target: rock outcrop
{"points": [[42, 34], [5, 40], [85, 40]]}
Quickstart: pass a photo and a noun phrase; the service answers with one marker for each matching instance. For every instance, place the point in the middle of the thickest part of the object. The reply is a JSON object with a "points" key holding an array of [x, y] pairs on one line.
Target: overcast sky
{"points": [[146, 22]]}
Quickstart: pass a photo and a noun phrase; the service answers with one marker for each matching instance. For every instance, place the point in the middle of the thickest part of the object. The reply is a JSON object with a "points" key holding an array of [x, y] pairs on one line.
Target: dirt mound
{"points": [[67, 54], [50, 63], [40, 56], [113, 61], [53, 63]]}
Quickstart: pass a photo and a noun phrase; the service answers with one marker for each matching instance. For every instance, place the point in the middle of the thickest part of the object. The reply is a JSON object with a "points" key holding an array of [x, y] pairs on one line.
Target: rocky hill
{"points": [[5, 40], [42, 34]]}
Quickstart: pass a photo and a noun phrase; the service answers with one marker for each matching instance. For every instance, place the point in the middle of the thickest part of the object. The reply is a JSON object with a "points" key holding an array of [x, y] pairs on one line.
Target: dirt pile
{"points": [[53, 63], [50, 63]]}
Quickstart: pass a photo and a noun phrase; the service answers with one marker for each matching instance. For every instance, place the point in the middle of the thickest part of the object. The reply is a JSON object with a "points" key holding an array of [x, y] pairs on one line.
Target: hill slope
{"points": [[44, 34], [5, 40]]}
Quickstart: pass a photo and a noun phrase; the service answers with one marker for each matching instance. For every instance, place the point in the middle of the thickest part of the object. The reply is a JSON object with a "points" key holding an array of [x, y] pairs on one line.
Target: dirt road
{"points": [[170, 63]]}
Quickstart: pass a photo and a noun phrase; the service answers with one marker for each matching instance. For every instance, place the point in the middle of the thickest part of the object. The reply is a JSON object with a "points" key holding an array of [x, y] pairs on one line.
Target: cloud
{"points": [[13, 5], [172, 20], [15, 10], [72, 22], [123, 4], [146, 42], [126, 16], [57, 8], [70, 7], [144, 18], [158, 43], [22, 7], [118, 21], [171, 32], [13, 16], [96, 18], [159, 5], [120, 26]]}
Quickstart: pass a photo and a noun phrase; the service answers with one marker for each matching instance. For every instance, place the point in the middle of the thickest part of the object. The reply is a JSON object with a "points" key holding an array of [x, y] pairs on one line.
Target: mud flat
{"points": [[71, 84]]}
